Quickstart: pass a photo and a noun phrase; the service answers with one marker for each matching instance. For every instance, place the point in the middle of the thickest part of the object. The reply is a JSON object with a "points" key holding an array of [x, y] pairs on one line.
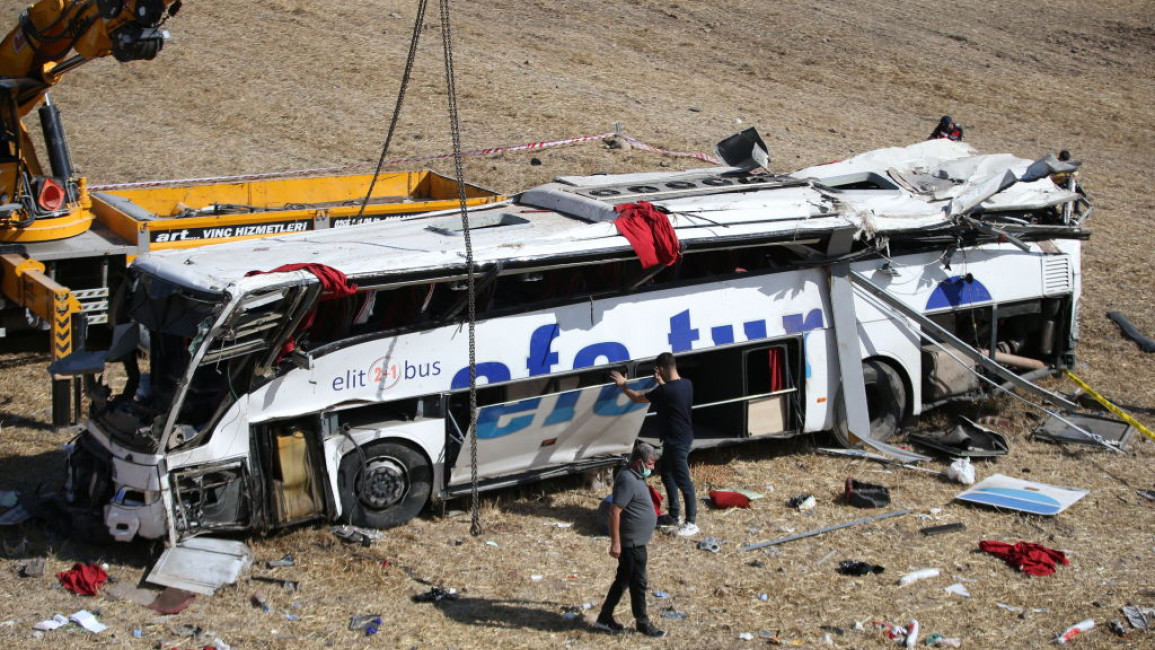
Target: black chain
{"points": [[459, 169]]}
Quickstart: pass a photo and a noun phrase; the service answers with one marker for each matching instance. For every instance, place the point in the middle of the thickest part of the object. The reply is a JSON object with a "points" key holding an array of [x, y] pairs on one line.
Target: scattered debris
{"points": [[1026, 496], [356, 535], [53, 623], [672, 614], [285, 561], [712, 544], [944, 528], [967, 439], [803, 502], [201, 564], [259, 601], [1117, 629], [830, 628], [437, 594], [857, 568], [30, 568], [1077, 628], [865, 495], [961, 471], [1140, 618], [912, 633], [560, 524], [940, 641], [83, 579], [1073, 428], [658, 593], [958, 589], [819, 531], [368, 623], [878, 458], [915, 576], [87, 620], [291, 585], [1031, 559], [172, 601]]}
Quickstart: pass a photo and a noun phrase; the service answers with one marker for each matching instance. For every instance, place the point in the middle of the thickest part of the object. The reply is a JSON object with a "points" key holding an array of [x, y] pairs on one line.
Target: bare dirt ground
{"points": [[270, 85]]}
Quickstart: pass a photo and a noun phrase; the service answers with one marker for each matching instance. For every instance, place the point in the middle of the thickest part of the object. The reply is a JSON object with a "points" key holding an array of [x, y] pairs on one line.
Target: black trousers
{"points": [[631, 574]]}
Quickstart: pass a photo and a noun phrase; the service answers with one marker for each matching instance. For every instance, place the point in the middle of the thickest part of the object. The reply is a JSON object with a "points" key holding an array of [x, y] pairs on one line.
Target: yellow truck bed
{"points": [[184, 216]]}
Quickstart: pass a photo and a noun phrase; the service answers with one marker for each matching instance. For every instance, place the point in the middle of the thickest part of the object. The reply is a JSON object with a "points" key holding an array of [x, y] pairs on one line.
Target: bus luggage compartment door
{"points": [[551, 430]]}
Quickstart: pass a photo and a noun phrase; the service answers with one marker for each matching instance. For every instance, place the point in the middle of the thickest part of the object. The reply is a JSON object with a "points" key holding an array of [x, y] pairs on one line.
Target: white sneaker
{"points": [[689, 528]]}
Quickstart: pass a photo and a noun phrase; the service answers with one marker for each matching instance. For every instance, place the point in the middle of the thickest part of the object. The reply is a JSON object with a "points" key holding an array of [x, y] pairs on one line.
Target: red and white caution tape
{"points": [[544, 144], [637, 144]]}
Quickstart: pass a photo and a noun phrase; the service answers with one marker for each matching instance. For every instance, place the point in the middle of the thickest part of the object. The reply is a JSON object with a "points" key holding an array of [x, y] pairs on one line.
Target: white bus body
{"points": [[265, 404]]}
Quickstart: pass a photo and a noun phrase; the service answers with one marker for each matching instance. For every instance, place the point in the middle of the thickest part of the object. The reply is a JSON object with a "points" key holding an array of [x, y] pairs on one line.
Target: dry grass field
{"points": [[270, 85]]}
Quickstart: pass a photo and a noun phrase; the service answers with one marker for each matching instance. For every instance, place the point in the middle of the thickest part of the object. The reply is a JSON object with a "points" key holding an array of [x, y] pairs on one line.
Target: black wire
{"points": [[413, 41]]}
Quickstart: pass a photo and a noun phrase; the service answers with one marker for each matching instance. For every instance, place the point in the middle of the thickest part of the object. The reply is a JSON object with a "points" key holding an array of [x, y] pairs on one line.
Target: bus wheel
{"points": [[885, 401], [386, 487]]}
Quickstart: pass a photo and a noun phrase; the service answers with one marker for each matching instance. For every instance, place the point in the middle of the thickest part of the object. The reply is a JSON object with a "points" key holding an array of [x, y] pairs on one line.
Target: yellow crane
{"points": [[62, 248]]}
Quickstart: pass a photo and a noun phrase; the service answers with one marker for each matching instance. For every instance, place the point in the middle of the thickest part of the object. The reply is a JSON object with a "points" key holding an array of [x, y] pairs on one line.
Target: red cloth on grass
{"points": [[649, 232], [83, 579], [726, 499], [1031, 559]]}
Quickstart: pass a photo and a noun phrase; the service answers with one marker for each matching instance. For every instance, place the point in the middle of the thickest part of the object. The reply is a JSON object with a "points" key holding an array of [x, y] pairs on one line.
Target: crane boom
{"points": [[51, 38]]}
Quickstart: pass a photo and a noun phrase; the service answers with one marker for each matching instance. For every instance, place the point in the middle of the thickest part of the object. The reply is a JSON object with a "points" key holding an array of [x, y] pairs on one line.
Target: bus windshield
{"points": [[189, 354]]}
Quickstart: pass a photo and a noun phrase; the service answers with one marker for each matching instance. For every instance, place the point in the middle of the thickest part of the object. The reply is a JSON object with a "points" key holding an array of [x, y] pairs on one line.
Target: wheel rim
{"points": [[384, 482]]}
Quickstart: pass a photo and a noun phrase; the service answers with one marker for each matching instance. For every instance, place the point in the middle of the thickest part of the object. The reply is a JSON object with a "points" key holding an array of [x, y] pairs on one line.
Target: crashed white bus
{"points": [[270, 399]]}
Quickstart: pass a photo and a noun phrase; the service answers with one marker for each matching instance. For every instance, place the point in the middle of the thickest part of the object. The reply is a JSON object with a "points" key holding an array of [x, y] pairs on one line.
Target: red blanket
{"points": [[83, 579], [1031, 559], [649, 232]]}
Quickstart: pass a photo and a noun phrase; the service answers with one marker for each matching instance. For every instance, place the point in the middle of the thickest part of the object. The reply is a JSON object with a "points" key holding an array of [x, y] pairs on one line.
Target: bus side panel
{"points": [[552, 430], [548, 342]]}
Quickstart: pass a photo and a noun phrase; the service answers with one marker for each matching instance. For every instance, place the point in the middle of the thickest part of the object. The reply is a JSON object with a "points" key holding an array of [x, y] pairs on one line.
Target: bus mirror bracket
{"points": [[301, 359]]}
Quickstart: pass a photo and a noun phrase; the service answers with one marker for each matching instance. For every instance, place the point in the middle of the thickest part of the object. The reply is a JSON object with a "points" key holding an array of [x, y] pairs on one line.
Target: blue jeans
{"points": [[676, 478]]}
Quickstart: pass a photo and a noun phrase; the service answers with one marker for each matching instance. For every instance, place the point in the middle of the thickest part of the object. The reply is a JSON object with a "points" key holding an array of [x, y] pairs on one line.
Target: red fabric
{"points": [[724, 499], [1031, 559], [334, 284], [656, 498], [83, 579], [649, 232], [777, 381]]}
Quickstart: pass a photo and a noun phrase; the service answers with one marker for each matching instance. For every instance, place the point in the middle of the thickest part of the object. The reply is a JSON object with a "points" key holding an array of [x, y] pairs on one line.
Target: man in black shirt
{"points": [[632, 521], [671, 399]]}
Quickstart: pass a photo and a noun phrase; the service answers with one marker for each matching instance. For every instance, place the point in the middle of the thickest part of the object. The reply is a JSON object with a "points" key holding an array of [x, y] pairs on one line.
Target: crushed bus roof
{"points": [[923, 187]]}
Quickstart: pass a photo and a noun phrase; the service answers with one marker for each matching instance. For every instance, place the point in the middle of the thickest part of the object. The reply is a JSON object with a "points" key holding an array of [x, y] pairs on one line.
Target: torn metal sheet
{"points": [[201, 565], [1110, 431], [968, 439], [1025, 496]]}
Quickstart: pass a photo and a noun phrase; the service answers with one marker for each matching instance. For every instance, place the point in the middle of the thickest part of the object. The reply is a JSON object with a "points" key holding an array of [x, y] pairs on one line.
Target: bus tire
{"points": [[386, 487], [886, 398]]}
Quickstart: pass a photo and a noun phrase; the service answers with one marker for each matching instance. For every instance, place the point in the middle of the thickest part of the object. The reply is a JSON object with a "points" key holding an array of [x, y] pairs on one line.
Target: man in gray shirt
{"points": [[632, 522]]}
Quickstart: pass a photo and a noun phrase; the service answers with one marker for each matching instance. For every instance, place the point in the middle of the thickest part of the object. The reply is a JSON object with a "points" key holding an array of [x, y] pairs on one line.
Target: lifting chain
{"points": [[459, 171]]}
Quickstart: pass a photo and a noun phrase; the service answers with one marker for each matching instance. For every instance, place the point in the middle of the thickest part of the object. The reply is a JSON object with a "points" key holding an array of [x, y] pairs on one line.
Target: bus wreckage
{"points": [[847, 296]]}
